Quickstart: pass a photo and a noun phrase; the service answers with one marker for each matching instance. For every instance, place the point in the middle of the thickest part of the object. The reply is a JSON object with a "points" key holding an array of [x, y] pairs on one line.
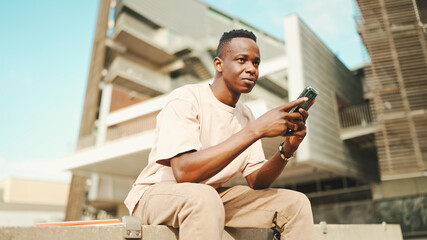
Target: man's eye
{"points": [[241, 60]]}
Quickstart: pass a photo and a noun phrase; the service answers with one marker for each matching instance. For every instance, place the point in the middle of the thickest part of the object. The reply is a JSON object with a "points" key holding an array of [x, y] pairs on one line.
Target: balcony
{"points": [[132, 75], [157, 45], [356, 121]]}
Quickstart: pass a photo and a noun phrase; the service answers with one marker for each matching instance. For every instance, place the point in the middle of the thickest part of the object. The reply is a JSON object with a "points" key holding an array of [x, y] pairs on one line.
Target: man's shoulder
{"points": [[187, 94], [187, 91]]}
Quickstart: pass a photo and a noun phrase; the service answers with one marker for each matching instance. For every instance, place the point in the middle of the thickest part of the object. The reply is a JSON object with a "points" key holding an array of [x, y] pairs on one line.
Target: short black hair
{"points": [[235, 33]]}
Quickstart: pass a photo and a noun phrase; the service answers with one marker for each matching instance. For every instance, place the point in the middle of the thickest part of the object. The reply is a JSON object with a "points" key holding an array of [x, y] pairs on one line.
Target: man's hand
{"points": [[280, 122], [294, 138]]}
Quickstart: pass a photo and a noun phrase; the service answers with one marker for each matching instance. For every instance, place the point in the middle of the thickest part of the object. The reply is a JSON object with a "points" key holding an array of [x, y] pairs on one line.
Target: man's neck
{"points": [[223, 94]]}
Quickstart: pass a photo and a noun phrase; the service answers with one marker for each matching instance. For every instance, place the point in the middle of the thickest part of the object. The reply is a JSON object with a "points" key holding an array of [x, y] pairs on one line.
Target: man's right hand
{"points": [[279, 121]]}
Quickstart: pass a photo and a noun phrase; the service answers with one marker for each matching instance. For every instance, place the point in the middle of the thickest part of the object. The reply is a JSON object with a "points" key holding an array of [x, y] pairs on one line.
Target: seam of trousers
{"points": [[286, 230]]}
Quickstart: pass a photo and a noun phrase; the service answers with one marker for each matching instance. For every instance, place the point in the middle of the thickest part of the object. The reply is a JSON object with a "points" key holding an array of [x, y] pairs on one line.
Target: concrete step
{"points": [[118, 231]]}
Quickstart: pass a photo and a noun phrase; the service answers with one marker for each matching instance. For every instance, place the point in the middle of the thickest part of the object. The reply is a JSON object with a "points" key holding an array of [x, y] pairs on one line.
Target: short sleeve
{"points": [[255, 160], [177, 131]]}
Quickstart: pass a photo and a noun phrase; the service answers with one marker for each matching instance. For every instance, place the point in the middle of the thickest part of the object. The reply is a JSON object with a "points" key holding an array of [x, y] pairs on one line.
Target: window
{"points": [[421, 6]]}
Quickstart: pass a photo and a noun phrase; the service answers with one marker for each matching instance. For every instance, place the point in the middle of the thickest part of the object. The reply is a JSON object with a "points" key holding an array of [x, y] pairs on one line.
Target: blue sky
{"points": [[45, 49]]}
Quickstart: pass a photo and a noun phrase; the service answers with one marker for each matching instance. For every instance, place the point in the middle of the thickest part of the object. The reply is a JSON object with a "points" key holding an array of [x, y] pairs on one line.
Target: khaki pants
{"points": [[201, 212]]}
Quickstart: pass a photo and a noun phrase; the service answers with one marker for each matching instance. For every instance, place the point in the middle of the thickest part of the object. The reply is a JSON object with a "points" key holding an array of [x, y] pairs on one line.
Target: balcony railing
{"points": [[134, 126], [358, 115], [123, 129]]}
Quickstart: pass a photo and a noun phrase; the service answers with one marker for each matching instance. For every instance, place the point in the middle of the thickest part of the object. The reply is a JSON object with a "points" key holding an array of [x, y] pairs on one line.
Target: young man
{"points": [[204, 137]]}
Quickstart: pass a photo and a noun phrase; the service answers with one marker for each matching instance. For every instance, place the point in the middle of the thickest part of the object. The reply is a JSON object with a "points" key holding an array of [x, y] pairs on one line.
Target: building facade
{"points": [[394, 33]]}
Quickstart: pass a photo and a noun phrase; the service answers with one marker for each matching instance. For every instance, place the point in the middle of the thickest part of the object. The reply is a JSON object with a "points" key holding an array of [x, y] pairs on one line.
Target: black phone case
{"points": [[309, 92]]}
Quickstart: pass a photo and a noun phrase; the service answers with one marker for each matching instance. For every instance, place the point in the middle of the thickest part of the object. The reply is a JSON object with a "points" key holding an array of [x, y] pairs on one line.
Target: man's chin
{"points": [[247, 90]]}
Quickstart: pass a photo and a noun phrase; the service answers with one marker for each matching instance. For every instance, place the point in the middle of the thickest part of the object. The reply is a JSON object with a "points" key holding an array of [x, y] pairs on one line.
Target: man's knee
{"points": [[297, 201], [205, 196], [294, 196], [303, 199], [203, 201]]}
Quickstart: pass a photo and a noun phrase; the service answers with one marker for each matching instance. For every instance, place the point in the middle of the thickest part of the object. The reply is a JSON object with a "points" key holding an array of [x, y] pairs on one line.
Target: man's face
{"points": [[241, 59]]}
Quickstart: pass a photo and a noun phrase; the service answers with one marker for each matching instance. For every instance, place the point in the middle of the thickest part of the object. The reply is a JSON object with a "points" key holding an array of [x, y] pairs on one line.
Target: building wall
{"points": [[34, 192], [122, 97], [26, 202], [313, 64]]}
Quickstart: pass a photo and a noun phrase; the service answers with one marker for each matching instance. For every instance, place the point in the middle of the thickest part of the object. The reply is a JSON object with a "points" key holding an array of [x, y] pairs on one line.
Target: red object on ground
{"points": [[77, 223]]}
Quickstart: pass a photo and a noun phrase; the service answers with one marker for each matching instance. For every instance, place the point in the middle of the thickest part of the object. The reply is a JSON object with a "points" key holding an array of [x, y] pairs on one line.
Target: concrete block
{"points": [[164, 232], [115, 232], [357, 232]]}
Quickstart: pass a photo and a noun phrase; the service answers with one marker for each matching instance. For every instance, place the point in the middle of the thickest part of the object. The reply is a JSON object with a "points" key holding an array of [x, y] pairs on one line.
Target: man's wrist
{"points": [[284, 154], [288, 147]]}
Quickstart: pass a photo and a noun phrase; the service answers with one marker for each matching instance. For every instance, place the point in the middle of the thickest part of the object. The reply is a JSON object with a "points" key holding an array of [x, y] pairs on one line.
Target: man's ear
{"points": [[218, 64]]}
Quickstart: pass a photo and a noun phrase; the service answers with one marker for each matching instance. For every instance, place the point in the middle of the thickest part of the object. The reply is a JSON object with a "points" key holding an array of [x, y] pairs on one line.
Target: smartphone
{"points": [[309, 92]]}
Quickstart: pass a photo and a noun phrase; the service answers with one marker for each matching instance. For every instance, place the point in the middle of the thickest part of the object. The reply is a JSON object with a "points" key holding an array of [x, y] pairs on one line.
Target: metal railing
{"points": [[358, 115]]}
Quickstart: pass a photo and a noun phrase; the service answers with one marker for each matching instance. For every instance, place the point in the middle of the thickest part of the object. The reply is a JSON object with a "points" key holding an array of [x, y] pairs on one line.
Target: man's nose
{"points": [[250, 68]]}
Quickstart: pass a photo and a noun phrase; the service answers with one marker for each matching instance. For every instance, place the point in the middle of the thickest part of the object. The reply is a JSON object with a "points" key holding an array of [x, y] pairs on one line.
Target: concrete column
{"points": [[104, 110]]}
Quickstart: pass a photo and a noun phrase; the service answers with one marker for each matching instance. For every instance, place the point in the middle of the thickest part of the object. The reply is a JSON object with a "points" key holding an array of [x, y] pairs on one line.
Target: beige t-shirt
{"points": [[194, 119]]}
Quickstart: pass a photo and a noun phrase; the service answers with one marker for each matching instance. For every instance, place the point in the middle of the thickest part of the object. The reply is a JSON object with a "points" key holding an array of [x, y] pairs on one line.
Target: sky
{"points": [[45, 50]]}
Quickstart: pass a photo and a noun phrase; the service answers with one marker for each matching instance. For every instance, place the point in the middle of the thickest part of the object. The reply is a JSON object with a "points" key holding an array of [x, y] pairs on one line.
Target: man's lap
{"points": [[243, 206]]}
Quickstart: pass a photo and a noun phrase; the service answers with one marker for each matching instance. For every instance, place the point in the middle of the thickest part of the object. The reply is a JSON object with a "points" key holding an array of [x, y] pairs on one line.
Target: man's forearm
{"points": [[271, 170], [203, 164], [268, 173]]}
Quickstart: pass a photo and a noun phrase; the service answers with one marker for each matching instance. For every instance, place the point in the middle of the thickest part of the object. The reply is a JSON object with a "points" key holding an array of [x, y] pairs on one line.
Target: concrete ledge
{"points": [[357, 232], [116, 231]]}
